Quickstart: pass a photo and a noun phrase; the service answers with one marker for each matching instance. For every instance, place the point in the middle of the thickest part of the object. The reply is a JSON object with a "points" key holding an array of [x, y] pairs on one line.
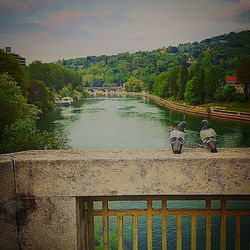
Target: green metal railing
{"points": [[89, 213]]}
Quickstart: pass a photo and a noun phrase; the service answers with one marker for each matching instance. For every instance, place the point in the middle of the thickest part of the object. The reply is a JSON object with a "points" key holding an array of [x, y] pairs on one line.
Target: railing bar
{"points": [[173, 197], [164, 232], [135, 232], [164, 203], [90, 225], [208, 232], [173, 212], [237, 232], [193, 232], [150, 223], [249, 239], [179, 236], [120, 232], [223, 225], [105, 225]]}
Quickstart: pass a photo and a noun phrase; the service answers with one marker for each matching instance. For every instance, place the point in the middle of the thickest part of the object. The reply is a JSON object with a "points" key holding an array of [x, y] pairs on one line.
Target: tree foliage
{"points": [[40, 95], [133, 85], [209, 61], [8, 64], [243, 74], [24, 135], [54, 76], [13, 104]]}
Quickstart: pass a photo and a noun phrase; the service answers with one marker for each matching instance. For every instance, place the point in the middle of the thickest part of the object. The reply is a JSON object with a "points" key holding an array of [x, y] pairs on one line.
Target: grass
{"points": [[232, 106]]}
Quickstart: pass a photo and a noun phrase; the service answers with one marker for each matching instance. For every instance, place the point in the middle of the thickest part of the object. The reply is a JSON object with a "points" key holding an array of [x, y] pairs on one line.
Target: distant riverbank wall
{"points": [[243, 116]]}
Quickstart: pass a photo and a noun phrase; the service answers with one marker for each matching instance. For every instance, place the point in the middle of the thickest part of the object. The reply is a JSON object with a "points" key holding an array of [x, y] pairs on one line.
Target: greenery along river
{"points": [[111, 123]]}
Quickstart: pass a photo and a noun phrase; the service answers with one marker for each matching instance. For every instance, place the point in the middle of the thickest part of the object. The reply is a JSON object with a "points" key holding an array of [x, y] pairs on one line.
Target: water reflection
{"points": [[125, 122]]}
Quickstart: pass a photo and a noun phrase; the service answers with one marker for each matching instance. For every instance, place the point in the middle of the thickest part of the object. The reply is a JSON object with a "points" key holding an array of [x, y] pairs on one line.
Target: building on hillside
{"points": [[20, 59], [233, 80]]}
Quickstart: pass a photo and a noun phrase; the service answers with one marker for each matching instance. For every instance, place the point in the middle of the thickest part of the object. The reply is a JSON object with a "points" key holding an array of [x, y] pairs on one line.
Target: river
{"points": [[111, 123], [135, 122]]}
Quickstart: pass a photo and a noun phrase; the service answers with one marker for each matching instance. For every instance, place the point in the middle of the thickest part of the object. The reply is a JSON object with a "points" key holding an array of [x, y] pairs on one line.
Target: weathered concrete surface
{"points": [[8, 233], [8, 230], [47, 223], [133, 172], [38, 208], [6, 178]]}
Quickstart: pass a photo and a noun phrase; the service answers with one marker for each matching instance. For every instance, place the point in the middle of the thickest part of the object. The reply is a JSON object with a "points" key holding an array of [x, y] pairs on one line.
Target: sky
{"points": [[49, 30]]}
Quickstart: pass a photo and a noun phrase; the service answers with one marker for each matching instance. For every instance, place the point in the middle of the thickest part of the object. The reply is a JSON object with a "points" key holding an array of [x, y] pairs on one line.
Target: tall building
{"points": [[20, 59]]}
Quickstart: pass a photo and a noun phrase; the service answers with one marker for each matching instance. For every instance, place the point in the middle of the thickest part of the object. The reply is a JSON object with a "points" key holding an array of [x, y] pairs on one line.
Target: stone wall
{"points": [[39, 189]]}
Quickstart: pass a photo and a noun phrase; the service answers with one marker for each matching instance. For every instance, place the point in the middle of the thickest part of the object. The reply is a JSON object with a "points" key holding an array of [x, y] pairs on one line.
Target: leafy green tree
{"points": [[214, 77], [10, 65], [40, 95], [66, 91], [172, 81], [133, 85], [53, 75], [160, 87], [218, 95], [138, 62], [190, 95], [243, 74], [227, 93], [88, 80], [182, 81], [13, 104], [197, 71], [24, 135]]}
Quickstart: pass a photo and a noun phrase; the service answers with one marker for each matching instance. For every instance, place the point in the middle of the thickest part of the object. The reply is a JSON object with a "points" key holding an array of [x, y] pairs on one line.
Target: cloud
{"points": [[63, 17], [243, 17], [49, 30], [231, 1]]}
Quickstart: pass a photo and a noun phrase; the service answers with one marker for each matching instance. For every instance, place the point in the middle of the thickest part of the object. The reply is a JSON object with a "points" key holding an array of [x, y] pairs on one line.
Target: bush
{"points": [[40, 95], [227, 93], [13, 104], [134, 85], [24, 135]]}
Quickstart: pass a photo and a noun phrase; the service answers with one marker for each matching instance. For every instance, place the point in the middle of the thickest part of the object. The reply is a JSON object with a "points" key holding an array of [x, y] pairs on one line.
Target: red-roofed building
{"points": [[233, 80]]}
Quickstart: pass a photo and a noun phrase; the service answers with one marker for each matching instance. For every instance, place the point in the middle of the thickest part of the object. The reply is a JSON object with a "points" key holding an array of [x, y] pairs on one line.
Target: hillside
{"points": [[227, 51]]}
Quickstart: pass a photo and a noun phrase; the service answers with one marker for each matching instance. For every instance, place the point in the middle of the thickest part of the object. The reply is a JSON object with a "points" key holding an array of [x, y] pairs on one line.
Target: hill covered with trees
{"points": [[191, 72]]}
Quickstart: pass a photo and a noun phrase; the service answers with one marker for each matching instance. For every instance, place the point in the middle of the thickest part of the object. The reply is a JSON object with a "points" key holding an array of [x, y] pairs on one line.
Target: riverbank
{"points": [[214, 112]]}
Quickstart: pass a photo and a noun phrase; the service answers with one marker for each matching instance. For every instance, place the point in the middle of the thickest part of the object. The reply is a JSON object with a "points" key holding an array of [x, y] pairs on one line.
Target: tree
{"points": [[243, 74], [53, 75], [66, 91], [197, 71], [13, 104], [133, 85], [40, 95], [227, 93], [214, 77], [172, 75], [160, 87], [10, 65], [190, 95], [182, 81], [24, 135]]}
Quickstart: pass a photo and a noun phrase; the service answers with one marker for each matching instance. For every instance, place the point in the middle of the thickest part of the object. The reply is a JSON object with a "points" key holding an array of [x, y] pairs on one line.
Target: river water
{"points": [[133, 123], [111, 123]]}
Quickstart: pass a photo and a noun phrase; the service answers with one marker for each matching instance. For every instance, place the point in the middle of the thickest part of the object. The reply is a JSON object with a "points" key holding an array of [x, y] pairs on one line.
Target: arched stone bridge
{"points": [[104, 89]]}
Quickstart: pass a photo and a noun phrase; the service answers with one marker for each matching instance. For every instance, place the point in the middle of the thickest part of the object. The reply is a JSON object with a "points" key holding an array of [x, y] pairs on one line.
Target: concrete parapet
{"points": [[38, 189], [132, 172]]}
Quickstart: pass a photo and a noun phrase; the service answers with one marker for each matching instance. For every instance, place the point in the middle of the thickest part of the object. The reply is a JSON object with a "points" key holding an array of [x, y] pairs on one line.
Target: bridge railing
{"points": [[165, 206], [48, 199]]}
